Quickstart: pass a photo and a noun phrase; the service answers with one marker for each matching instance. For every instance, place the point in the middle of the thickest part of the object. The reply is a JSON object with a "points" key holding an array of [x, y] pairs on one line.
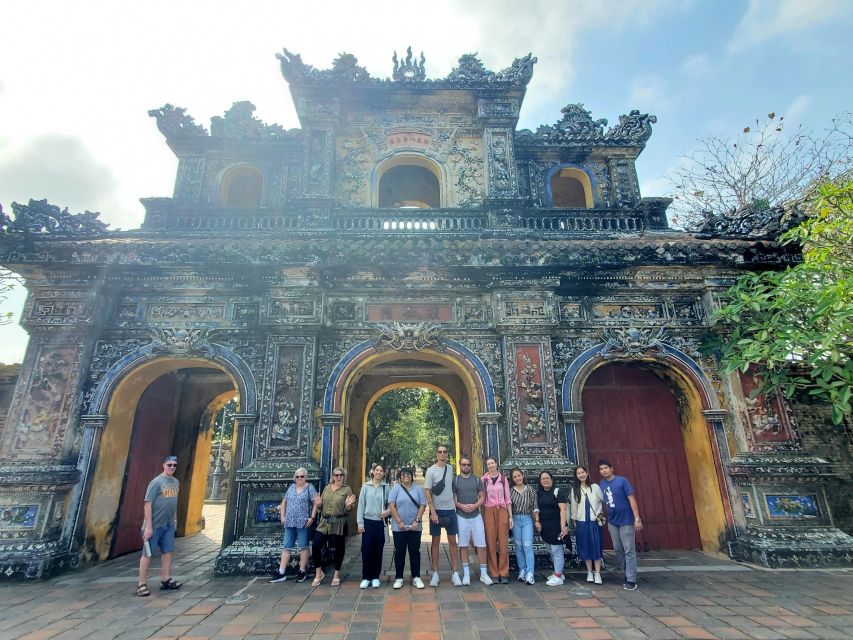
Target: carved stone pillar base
{"points": [[36, 561], [782, 497], [254, 544], [794, 547]]}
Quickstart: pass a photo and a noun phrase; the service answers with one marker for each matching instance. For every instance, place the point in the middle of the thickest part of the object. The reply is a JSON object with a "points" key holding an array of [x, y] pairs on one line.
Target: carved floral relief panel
{"points": [[44, 402], [767, 417], [531, 406], [285, 423]]}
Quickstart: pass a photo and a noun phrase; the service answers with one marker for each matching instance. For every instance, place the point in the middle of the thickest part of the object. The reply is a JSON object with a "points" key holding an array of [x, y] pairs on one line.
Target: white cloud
{"points": [[697, 66], [768, 19], [61, 169], [799, 107], [651, 92]]}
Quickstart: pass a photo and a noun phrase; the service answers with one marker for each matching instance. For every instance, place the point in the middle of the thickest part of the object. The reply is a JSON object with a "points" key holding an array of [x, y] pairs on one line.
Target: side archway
{"points": [[695, 408], [140, 389]]}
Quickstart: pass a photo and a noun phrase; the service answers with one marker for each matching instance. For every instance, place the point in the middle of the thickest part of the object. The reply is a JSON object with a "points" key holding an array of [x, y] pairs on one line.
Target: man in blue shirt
{"points": [[623, 520]]}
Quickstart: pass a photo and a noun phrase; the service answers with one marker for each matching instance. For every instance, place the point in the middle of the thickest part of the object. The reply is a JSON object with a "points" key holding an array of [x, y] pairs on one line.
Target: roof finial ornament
{"points": [[410, 70]]}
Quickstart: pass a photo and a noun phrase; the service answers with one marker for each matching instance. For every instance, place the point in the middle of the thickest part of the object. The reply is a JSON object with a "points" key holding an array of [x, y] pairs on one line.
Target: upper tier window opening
{"points": [[242, 188]]}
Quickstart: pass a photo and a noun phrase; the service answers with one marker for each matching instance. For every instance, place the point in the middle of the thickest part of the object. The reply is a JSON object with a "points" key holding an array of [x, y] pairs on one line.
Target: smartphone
{"points": [[146, 549]]}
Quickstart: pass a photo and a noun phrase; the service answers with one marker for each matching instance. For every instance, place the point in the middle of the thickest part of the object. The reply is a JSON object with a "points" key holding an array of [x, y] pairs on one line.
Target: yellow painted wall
{"points": [[702, 468]]}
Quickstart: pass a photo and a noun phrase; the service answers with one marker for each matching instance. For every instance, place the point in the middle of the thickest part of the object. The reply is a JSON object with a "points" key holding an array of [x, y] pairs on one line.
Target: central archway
{"points": [[365, 371]]}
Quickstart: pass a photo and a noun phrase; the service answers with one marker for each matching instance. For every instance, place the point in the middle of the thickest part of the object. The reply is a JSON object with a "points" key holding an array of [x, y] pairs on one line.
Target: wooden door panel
{"points": [[631, 419], [150, 443]]}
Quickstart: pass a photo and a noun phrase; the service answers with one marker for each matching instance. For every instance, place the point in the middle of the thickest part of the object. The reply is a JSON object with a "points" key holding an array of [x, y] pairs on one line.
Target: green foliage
{"points": [[794, 328], [223, 424], [8, 281], [404, 426]]}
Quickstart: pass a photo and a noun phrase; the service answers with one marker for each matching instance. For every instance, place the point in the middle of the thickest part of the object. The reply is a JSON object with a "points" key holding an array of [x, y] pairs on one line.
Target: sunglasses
{"points": [[442, 451], [171, 465], [298, 477], [337, 474], [464, 464]]}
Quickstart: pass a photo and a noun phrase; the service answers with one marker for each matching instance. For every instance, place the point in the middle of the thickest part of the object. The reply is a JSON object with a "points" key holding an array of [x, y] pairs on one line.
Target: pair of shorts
{"points": [[163, 538], [297, 535], [471, 529], [447, 520]]}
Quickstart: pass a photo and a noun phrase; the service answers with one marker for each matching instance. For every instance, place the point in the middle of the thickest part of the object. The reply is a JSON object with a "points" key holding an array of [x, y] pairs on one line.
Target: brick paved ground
{"points": [[680, 596]]}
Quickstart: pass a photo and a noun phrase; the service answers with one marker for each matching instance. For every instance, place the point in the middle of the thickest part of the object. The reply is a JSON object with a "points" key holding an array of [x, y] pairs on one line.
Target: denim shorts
{"points": [[164, 538], [298, 535]]}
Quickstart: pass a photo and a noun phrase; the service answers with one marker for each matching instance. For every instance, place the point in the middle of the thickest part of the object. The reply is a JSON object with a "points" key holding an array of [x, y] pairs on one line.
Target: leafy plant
{"points": [[794, 328]]}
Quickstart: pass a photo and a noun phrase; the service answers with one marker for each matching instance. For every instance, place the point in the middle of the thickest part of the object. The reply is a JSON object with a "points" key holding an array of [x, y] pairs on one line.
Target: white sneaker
{"points": [[555, 581], [589, 577], [398, 583], [530, 579], [434, 580], [486, 579], [455, 579], [364, 584], [419, 584], [522, 576], [466, 579], [375, 584], [598, 578]]}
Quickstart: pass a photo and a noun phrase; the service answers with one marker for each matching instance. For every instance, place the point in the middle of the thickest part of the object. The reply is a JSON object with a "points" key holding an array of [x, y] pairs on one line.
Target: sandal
{"points": [[142, 591], [318, 579], [169, 585], [336, 582]]}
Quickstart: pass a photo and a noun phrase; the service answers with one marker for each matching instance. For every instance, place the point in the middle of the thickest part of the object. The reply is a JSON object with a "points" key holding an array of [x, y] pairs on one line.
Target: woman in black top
{"points": [[551, 526]]}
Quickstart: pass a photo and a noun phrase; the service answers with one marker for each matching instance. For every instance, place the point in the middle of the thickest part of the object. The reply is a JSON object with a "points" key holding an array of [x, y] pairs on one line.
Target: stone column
{"points": [[489, 434], [331, 436]]}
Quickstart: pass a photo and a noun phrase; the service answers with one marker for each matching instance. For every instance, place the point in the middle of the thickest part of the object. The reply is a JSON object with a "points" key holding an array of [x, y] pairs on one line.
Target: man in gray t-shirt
{"points": [[470, 494], [158, 526], [438, 483]]}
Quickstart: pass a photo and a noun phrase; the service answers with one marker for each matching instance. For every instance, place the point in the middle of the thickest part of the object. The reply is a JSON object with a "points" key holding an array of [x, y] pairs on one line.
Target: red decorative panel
{"points": [[150, 443], [531, 402], [630, 418], [416, 312], [766, 418]]}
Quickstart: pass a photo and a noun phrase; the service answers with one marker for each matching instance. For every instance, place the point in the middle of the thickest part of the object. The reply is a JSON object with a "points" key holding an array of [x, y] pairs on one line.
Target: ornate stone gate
{"points": [[409, 221]]}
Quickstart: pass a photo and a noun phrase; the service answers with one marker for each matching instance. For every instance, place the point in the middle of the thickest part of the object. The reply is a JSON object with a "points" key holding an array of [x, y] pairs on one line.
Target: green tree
{"points": [[794, 328], [405, 424]]}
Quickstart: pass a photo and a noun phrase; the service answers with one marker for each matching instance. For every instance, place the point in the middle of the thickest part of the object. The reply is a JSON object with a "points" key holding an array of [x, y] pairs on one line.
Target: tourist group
{"points": [[484, 510]]}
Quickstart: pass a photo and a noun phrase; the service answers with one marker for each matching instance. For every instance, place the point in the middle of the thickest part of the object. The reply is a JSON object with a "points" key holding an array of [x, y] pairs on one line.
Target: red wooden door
{"points": [[150, 442], [631, 419]]}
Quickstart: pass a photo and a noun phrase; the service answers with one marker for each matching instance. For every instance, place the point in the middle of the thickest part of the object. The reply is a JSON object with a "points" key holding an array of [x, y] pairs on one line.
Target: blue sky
{"points": [[76, 79]]}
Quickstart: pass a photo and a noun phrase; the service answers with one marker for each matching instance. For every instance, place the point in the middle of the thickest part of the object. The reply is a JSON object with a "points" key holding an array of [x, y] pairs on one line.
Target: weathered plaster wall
{"points": [[835, 444], [8, 378]]}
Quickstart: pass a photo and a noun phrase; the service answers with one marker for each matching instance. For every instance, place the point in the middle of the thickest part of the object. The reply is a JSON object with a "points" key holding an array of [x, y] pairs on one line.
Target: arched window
{"points": [[242, 188], [409, 183], [571, 188]]}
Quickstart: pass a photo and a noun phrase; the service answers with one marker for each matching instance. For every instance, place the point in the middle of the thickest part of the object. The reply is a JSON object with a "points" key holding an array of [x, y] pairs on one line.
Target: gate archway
{"points": [[149, 406], [365, 370], [659, 399]]}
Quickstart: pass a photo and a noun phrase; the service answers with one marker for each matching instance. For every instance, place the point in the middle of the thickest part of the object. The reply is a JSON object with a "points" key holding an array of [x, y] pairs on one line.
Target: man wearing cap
{"points": [[158, 526]]}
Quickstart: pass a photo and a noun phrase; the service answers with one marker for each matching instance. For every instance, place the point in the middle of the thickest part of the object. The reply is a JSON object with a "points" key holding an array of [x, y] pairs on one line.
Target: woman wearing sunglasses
{"points": [[335, 504], [298, 514]]}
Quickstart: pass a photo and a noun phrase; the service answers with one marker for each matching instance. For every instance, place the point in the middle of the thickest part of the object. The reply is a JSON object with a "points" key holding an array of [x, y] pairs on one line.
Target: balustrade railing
{"points": [[166, 215]]}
